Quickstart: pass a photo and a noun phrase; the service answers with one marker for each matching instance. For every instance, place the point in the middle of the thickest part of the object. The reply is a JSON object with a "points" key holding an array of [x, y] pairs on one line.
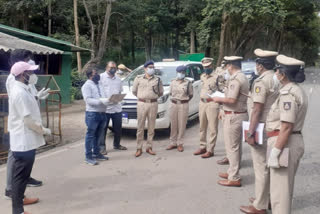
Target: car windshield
{"points": [[166, 73], [248, 66]]}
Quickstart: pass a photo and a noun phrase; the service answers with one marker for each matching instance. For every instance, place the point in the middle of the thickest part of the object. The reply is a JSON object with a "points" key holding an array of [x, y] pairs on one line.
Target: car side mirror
{"points": [[190, 79]]}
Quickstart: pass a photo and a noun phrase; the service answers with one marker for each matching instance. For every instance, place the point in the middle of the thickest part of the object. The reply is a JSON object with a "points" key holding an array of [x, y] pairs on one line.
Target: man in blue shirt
{"points": [[95, 117]]}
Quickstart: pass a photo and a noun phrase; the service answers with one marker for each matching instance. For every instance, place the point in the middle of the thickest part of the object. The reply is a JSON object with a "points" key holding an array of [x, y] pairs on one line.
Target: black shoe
{"points": [[34, 183], [120, 147], [8, 195]]}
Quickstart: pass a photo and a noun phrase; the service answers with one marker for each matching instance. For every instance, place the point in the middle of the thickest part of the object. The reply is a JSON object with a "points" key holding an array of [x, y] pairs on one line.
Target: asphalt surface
{"points": [[170, 182]]}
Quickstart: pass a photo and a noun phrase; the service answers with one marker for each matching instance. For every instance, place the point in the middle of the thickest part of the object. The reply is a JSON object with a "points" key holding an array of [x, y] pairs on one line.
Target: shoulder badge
{"points": [[287, 106], [284, 92], [257, 89]]}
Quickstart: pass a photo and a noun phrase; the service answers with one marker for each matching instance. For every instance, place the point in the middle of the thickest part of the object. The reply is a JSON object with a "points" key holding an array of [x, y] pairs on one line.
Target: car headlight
{"points": [[163, 99]]}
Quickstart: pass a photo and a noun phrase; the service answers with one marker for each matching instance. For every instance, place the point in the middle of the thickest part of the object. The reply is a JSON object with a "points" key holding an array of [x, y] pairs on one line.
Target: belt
{"points": [[179, 101], [206, 100], [234, 112], [276, 133], [148, 100]]}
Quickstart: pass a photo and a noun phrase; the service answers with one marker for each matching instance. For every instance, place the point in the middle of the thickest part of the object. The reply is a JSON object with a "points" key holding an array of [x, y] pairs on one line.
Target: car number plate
{"points": [[125, 118]]}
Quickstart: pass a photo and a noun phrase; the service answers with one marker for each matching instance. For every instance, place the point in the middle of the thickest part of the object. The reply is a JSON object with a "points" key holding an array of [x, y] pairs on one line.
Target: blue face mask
{"points": [[96, 78], [208, 70]]}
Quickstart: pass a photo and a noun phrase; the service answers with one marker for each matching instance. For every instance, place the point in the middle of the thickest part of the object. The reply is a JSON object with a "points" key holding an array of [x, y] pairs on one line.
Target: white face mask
{"points": [[181, 76], [256, 72], [276, 82], [227, 75], [33, 79], [31, 62], [150, 71], [120, 71]]}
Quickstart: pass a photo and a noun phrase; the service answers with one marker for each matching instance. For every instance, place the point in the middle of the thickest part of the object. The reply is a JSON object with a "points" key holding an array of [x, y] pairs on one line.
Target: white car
{"points": [[167, 72]]}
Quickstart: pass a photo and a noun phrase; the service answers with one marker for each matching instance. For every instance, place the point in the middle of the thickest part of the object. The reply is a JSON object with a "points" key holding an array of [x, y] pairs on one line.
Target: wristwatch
{"points": [[249, 134]]}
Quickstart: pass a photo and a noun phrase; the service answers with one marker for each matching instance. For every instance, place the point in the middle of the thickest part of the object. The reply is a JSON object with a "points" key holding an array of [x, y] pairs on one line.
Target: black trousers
{"points": [[116, 126], [22, 167]]}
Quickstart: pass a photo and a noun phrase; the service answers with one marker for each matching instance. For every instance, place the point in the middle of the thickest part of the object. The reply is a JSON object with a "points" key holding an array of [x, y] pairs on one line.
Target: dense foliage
{"points": [[140, 29]]}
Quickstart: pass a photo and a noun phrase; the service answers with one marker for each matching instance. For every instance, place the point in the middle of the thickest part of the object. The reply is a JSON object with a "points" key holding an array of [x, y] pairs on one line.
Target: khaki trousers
{"points": [[146, 111], [208, 117], [282, 179], [261, 173], [232, 131], [178, 118]]}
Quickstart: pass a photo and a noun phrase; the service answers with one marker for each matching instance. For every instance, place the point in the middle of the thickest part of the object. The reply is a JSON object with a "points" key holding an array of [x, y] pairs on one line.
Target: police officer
{"points": [[208, 110], [262, 96], [148, 88], [181, 91], [284, 124], [235, 111], [123, 71]]}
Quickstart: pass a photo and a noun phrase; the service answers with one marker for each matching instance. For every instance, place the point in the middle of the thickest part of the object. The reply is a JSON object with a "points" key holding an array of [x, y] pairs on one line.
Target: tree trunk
{"points": [[148, 45], [49, 17], [176, 44], [222, 37], [192, 42], [103, 39], [132, 46], [76, 28], [93, 42]]}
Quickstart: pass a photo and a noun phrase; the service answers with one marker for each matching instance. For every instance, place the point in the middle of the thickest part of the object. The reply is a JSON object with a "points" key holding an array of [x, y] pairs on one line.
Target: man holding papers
{"points": [[208, 110], [263, 94], [235, 110], [111, 84]]}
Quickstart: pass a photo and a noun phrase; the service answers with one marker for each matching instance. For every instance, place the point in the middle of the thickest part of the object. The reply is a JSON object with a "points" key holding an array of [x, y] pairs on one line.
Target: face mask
{"points": [[96, 78], [31, 62], [208, 70], [150, 71], [112, 71], [181, 76], [226, 75], [33, 79], [276, 82], [256, 72], [120, 72]]}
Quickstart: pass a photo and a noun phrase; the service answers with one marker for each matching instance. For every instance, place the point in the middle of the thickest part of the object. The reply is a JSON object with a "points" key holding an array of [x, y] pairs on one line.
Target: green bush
{"points": [[77, 80]]}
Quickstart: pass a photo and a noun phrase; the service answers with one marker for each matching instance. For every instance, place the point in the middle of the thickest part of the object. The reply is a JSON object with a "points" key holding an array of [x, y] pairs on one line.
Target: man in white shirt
{"points": [[16, 56], [26, 131], [111, 84]]}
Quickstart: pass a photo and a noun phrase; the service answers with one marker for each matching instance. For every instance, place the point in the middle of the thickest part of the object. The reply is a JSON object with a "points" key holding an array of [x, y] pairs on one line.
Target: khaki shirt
{"points": [[181, 90], [263, 92], [209, 83], [237, 88], [290, 106], [145, 88]]}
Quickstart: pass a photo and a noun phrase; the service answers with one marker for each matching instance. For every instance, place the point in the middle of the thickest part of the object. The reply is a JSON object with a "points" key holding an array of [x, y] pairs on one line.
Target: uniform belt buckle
{"points": [[179, 102], [148, 101]]}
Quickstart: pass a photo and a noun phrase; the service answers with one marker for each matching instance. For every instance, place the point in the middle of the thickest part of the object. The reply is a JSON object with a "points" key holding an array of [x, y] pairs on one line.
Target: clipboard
{"points": [[258, 135], [116, 98]]}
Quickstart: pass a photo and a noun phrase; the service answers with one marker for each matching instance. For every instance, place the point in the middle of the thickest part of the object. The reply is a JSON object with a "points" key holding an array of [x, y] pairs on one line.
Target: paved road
{"points": [[170, 182]]}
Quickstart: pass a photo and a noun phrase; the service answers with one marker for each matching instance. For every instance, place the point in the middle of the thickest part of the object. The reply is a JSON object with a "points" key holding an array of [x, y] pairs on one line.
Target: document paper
{"points": [[258, 134]]}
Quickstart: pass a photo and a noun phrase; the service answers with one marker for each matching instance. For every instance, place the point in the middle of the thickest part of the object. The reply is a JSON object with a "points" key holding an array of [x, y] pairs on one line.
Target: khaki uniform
{"points": [[208, 111], [147, 91], [291, 106], [237, 88], [262, 92], [179, 91]]}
